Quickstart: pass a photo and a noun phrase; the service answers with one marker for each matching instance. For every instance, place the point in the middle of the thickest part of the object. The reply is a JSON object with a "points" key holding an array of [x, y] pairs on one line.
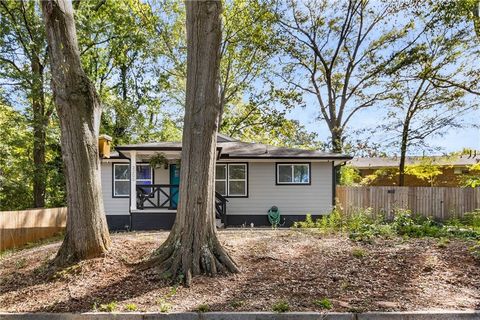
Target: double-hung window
{"points": [[121, 177], [293, 173], [231, 179]]}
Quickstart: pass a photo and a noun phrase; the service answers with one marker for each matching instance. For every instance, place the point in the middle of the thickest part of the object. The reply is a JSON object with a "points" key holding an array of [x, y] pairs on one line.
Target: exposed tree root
{"points": [[182, 263], [69, 254]]}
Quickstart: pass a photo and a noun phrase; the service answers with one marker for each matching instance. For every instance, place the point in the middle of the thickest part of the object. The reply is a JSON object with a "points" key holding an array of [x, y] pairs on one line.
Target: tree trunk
{"points": [[337, 139], [79, 111], [40, 122], [403, 153], [192, 247]]}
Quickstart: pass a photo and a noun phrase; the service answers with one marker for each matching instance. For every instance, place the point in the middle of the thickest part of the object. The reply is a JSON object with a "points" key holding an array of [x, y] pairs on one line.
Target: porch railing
{"points": [[165, 196], [157, 196]]}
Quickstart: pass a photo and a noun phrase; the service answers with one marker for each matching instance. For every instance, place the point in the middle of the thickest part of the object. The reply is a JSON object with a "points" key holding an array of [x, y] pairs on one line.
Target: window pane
{"points": [[122, 188], [300, 173], [221, 187], [122, 171], [220, 171], [236, 171], [284, 173], [237, 188], [144, 182], [144, 172]]}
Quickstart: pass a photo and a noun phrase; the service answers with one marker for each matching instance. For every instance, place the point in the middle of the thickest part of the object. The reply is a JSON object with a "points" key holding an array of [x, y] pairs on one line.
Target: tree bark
{"points": [[192, 247], [79, 111], [403, 152], [40, 122]]}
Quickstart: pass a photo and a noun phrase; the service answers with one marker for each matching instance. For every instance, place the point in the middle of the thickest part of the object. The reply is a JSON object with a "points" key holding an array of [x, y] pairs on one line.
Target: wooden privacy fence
{"points": [[20, 227], [440, 203]]}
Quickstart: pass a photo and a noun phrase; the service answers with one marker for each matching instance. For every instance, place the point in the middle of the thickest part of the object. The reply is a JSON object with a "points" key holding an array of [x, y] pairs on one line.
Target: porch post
{"points": [[133, 180]]}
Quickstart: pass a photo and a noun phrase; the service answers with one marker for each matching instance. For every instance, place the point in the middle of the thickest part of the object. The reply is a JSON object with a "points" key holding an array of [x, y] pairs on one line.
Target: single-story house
{"points": [[385, 169], [250, 179]]}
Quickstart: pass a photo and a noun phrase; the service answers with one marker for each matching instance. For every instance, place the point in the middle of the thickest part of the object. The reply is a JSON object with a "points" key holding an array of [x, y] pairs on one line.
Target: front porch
{"points": [[155, 191]]}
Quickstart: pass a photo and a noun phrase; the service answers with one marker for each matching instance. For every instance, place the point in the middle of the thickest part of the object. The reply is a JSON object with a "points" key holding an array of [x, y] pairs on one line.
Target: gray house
{"points": [[250, 179]]}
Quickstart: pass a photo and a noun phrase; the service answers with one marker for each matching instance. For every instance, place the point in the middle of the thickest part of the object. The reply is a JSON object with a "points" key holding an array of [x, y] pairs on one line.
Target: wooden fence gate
{"points": [[440, 203]]}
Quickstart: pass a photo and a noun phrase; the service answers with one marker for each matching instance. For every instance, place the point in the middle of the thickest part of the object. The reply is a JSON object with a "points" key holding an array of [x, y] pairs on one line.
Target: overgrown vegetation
{"points": [[364, 226]]}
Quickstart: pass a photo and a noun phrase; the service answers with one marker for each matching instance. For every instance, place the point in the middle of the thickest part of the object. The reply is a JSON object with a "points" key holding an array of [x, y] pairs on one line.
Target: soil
{"points": [[296, 267]]}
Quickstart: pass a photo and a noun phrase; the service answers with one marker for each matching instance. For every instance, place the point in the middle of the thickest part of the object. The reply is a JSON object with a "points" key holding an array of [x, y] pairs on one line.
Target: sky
{"points": [[453, 140]]}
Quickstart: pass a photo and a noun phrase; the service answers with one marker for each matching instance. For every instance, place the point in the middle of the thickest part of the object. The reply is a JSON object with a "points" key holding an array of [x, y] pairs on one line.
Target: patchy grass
{"points": [[281, 306], [302, 267]]}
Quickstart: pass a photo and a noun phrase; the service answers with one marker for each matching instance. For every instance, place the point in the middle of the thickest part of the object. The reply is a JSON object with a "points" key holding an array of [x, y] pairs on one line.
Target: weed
{"points": [[203, 307], [67, 272], [281, 306], [443, 242], [358, 252], [164, 306], [21, 263], [108, 307], [131, 307], [237, 303], [475, 251], [324, 303]]}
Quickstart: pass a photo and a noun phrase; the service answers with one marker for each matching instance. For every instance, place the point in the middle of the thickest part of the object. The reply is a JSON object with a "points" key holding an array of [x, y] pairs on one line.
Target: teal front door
{"points": [[174, 180]]}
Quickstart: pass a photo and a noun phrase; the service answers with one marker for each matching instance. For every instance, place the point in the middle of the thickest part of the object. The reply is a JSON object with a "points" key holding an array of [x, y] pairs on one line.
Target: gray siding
{"points": [[113, 206], [263, 193], [120, 206]]}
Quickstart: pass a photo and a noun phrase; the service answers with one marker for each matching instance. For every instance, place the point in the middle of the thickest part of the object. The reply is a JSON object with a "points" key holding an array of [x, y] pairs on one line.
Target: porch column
{"points": [[133, 180]]}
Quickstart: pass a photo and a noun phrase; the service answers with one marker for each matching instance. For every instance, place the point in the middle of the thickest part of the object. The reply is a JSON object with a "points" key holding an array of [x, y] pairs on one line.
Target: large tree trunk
{"points": [[40, 122], [192, 247], [79, 110]]}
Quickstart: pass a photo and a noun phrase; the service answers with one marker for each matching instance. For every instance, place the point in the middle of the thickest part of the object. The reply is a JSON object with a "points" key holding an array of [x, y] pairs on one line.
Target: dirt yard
{"points": [[297, 267]]}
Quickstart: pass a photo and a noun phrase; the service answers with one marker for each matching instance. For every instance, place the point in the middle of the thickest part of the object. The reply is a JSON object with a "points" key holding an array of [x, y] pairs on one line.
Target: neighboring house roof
{"points": [[231, 148], [385, 162]]}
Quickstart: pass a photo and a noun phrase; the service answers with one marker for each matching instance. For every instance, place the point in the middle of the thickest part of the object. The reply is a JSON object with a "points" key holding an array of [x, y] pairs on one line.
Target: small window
{"points": [[231, 179], [121, 180], [121, 177], [221, 179], [293, 173]]}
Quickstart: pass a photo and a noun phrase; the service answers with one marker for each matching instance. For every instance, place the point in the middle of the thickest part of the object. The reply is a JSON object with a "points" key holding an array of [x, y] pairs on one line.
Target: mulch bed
{"points": [[295, 266]]}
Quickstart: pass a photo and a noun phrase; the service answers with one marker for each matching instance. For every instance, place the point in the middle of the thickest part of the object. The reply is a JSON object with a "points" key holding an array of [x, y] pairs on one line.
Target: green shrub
{"points": [[131, 307], [363, 226], [203, 308], [475, 250], [108, 307], [323, 303], [281, 306]]}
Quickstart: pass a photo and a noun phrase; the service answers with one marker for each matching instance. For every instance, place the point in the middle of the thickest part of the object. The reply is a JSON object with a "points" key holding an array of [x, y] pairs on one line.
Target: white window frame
{"points": [[227, 179], [234, 180], [292, 166], [115, 180], [115, 194]]}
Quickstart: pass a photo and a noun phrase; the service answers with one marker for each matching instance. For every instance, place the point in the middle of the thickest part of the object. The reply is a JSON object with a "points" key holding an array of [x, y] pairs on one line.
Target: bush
{"points": [[363, 226], [323, 303]]}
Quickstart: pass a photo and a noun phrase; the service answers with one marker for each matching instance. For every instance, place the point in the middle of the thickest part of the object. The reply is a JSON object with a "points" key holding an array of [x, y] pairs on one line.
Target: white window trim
{"points": [[227, 179], [115, 180], [292, 166], [243, 180], [223, 180]]}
